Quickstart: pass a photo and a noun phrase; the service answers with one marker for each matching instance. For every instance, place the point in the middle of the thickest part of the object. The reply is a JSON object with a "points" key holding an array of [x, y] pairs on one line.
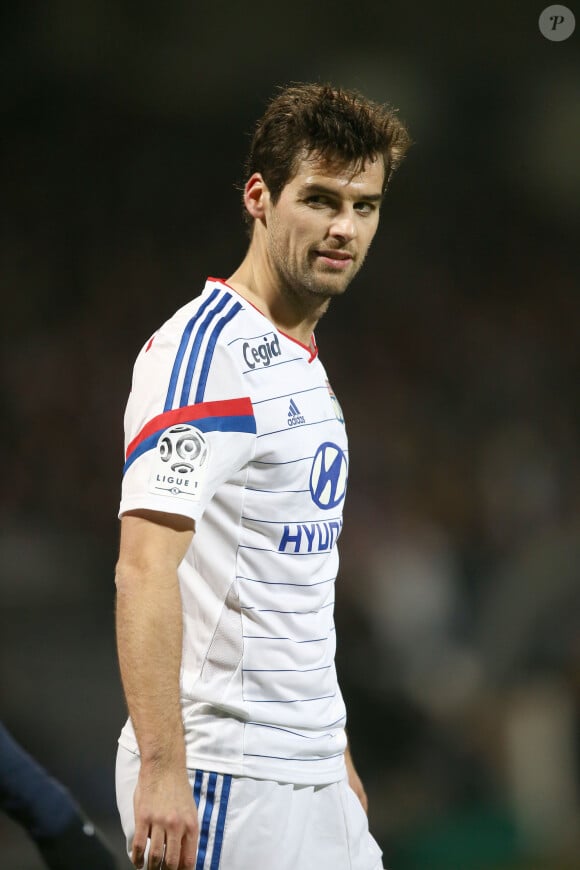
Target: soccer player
{"points": [[235, 754]]}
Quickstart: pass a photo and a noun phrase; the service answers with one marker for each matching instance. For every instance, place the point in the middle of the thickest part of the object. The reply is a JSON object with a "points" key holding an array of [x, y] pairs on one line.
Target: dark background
{"points": [[455, 356]]}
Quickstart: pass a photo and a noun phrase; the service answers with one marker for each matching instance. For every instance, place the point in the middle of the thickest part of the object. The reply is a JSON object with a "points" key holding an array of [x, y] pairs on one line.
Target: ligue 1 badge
{"points": [[180, 463]]}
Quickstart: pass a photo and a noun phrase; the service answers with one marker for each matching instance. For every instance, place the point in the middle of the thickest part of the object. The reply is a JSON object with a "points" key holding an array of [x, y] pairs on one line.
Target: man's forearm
{"points": [[149, 640]]}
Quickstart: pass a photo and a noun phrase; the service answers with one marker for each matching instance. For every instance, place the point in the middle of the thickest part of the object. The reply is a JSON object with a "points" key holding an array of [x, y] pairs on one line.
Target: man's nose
{"points": [[343, 226]]}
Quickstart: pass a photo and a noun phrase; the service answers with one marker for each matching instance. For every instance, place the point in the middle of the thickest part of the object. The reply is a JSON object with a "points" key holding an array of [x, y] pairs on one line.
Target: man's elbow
{"points": [[127, 575]]}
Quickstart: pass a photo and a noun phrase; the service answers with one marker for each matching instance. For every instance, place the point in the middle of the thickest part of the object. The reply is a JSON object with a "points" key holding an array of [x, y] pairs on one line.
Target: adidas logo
{"points": [[295, 418]]}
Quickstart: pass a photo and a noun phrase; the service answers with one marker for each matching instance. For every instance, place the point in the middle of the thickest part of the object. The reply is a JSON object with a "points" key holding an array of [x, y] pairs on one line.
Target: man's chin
{"points": [[333, 278], [320, 286], [331, 285]]}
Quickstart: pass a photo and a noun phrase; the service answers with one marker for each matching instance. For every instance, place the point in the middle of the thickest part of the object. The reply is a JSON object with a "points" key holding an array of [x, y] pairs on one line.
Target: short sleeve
{"points": [[182, 442]]}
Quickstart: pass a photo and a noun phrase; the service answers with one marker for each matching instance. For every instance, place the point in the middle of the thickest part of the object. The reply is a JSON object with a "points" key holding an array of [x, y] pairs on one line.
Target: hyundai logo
{"points": [[328, 476]]}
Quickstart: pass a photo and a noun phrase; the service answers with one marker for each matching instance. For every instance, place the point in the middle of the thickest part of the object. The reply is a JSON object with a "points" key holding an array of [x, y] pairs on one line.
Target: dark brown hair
{"points": [[342, 127]]}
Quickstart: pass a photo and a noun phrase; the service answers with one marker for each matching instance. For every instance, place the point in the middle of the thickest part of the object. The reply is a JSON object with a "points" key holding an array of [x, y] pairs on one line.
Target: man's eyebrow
{"points": [[316, 187], [371, 197]]}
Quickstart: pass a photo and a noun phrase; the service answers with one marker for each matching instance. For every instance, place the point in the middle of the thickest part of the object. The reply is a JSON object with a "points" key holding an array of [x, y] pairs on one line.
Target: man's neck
{"points": [[259, 285]]}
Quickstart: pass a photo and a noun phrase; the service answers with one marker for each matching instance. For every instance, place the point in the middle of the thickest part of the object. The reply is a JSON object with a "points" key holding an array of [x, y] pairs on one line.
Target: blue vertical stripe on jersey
{"points": [[221, 823], [204, 833], [210, 349], [197, 786], [181, 350], [197, 342]]}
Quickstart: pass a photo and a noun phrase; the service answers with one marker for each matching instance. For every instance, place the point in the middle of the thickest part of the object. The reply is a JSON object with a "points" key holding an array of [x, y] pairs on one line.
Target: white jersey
{"points": [[234, 424]]}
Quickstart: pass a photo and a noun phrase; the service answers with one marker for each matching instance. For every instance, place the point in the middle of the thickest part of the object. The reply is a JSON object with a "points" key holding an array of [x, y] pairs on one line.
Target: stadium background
{"points": [[455, 356]]}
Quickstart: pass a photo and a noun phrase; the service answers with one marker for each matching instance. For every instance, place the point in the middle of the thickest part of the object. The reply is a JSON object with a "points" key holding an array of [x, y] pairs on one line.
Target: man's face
{"points": [[319, 231]]}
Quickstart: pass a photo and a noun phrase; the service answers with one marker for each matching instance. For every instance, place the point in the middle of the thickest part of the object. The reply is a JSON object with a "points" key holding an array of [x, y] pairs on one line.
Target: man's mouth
{"points": [[335, 259]]}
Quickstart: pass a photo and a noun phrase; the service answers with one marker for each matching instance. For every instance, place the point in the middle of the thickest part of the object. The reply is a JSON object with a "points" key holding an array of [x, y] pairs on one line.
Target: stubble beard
{"points": [[304, 289]]}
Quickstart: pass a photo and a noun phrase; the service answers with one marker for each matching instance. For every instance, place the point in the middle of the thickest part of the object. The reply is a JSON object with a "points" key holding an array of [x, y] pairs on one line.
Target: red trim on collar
{"points": [[312, 349]]}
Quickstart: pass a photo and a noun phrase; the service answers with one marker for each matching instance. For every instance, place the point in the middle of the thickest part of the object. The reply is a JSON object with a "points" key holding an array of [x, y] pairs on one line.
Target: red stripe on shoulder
{"points": [[226, 408]]}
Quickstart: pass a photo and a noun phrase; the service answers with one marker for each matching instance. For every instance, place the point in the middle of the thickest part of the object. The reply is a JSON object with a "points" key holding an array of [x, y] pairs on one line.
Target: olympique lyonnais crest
{"points": [[180, 463], [335, 403]]}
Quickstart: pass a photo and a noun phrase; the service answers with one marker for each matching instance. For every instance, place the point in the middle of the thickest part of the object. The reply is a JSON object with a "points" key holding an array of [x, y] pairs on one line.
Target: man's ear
{"points": [[256, 196]]}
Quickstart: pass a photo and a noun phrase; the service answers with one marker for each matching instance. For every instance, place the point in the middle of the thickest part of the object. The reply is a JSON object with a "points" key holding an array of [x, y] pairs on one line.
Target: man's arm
{"points": [[149, 642]]}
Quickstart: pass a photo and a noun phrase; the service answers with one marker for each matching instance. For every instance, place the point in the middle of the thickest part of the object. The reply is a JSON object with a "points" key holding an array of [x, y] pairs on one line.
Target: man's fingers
{"points": [[168, 849], [139, 845], [156, 848], [172, 850], [189, 851]]}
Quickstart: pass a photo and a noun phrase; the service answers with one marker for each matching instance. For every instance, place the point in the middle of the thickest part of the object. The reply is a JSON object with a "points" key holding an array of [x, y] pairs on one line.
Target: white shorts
{"points": [[247, 823]]}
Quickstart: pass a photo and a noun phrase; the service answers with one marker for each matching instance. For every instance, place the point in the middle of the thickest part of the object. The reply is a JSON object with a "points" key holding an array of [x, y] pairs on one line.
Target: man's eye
{"points": [[365, 207], [317, 199]]}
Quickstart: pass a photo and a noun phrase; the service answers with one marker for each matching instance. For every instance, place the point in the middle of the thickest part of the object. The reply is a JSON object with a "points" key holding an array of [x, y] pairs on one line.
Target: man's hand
{"points": [[355, 781], [165, 812]]}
